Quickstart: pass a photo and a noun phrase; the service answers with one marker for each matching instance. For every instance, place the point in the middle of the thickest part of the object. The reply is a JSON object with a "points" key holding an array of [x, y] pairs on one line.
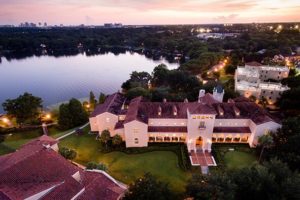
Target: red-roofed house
{"points": [[37, 171], [198, 124]]}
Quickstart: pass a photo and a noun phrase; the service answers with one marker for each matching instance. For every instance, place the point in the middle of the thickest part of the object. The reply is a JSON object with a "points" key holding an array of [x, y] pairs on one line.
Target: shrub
{"points": [[99, 166], [69, 154]]}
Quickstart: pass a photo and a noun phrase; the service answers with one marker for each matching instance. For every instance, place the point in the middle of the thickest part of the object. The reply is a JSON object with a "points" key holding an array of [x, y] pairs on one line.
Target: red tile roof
{"points": [[175, 129], [231, 130], [36, 167], [248, 110], [113, 104]]}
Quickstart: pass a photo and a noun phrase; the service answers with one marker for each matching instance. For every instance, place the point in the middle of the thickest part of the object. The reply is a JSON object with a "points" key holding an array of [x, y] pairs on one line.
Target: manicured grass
{"points": [[129, 167], [13, 141], [237, 159], [241, 156]]}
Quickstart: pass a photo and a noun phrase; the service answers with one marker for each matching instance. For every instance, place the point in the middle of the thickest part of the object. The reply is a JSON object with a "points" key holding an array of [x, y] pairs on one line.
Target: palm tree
{"points": [[265, 141]]}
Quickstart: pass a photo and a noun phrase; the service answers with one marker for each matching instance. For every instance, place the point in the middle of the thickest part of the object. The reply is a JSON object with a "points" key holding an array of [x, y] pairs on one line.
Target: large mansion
{"points": [[255, 79], [198, 124]]}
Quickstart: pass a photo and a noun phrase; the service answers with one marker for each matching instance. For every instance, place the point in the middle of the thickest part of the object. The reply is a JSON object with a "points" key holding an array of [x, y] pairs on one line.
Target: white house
{"points": [[198, 124], [254, 79]]}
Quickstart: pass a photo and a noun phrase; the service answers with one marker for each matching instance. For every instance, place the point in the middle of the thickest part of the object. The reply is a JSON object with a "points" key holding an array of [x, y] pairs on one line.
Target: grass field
{"points": [[129, 167], [13, 141], [238, 157]]}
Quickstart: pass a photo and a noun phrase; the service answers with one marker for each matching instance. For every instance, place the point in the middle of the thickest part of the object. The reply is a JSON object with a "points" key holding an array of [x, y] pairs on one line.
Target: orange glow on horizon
{"points": [[148, 12]]}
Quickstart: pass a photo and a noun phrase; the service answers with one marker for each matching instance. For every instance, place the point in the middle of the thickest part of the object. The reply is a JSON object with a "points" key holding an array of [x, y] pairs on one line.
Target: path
{"points": [[73, 131]]}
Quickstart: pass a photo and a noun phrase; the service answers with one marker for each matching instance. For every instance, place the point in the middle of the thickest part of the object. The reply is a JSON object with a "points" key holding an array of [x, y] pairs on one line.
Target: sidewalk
{"points": [[73, 131]]}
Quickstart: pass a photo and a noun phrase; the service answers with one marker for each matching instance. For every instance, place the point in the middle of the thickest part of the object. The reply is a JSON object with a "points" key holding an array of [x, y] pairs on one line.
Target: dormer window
{"points": [[236, 111], [159, 111], [220, 110], [174, 110]]}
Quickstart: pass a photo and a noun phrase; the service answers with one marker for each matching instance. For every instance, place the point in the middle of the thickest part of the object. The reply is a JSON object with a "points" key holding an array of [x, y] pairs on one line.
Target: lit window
{"points": [[107, 119], [194, 117]]}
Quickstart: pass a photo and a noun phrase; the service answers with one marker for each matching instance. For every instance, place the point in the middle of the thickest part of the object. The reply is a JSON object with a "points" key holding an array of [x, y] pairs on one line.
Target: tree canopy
{"points": [[148, 188], [25, 108]]}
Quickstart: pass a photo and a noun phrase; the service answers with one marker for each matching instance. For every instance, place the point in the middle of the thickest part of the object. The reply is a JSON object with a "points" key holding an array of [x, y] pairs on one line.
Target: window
{"points": [[107, 119], [136, 140], [135, 130], [202, 125]]}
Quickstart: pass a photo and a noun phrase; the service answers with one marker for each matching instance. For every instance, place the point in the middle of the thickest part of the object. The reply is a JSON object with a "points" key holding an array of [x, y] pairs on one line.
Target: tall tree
{"points": [[217, 186], [92, 101], [265, 141], [64, 117], [148, 188], [25, 107], [105, 137], [72, 114], [117, 140], [79, 115], [102, 98]]}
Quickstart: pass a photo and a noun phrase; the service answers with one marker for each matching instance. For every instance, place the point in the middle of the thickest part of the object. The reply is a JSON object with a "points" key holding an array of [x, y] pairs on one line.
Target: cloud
{"points": [[226, 18], [147, 11]]}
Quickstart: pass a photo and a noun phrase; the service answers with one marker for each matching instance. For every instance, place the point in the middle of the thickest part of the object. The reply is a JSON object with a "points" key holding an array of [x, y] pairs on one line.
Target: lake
{"points": [[57, 79]]}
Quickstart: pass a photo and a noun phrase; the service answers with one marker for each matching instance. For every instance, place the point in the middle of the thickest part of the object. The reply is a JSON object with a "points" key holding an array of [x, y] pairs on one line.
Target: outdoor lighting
{"points": [[48, 116], [88, 105], [5, 120]]}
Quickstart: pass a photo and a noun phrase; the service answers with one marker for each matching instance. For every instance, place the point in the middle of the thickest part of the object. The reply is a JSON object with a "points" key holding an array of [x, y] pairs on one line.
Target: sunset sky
{"points": [[97, 12]]}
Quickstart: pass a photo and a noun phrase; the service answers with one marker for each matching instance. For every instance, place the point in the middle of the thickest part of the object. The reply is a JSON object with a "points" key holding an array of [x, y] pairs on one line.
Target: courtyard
{"points": [[128, 167], [234, 156]]}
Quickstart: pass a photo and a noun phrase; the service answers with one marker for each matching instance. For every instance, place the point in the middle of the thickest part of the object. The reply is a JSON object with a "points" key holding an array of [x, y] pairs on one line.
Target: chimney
{"points": [[165, 100], [201, 94], [185, 100]]}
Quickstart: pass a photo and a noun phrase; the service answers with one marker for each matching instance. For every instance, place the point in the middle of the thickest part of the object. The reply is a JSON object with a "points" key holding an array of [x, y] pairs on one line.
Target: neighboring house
{"points": [[37, 171], [255, 79], [198, 124]]}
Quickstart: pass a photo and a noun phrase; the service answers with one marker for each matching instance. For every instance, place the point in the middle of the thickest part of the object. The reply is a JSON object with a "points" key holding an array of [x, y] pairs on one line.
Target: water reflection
{"points": [[58, 79]]}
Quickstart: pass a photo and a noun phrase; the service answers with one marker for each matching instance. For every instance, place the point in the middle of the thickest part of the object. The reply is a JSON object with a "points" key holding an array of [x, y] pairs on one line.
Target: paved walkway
{"points": [[201, 158], [71, 132]]}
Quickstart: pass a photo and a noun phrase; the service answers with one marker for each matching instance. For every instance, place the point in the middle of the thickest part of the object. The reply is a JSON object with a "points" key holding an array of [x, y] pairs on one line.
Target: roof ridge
{"points": [[110, 103]]}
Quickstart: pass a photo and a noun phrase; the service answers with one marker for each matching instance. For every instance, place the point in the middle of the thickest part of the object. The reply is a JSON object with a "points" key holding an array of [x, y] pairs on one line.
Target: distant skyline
{"points": [[138, 12]]}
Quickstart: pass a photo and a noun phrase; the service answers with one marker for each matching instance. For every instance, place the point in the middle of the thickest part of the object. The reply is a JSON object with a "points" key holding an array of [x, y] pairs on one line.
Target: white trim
{"points": [[78, 194], [70, 133], [41, 194], [192, 162], [122, 185]]}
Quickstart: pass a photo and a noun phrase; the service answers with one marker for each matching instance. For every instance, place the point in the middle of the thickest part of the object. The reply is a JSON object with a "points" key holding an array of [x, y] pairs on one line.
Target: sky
{"points": [[138, 12]]}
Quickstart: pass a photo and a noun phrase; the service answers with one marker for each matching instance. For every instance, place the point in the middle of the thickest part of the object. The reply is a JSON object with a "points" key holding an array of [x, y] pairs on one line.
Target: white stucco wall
{"points": [[104, 121], [261, 129], [120, 132], [167, 122], [194, 132], [231, 122], [136, 130]]}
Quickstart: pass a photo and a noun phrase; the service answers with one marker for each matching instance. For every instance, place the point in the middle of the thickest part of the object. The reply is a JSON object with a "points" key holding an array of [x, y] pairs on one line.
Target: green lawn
{"points": [[241, 156], [128, 167], [13, 141], [238, 159]]}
